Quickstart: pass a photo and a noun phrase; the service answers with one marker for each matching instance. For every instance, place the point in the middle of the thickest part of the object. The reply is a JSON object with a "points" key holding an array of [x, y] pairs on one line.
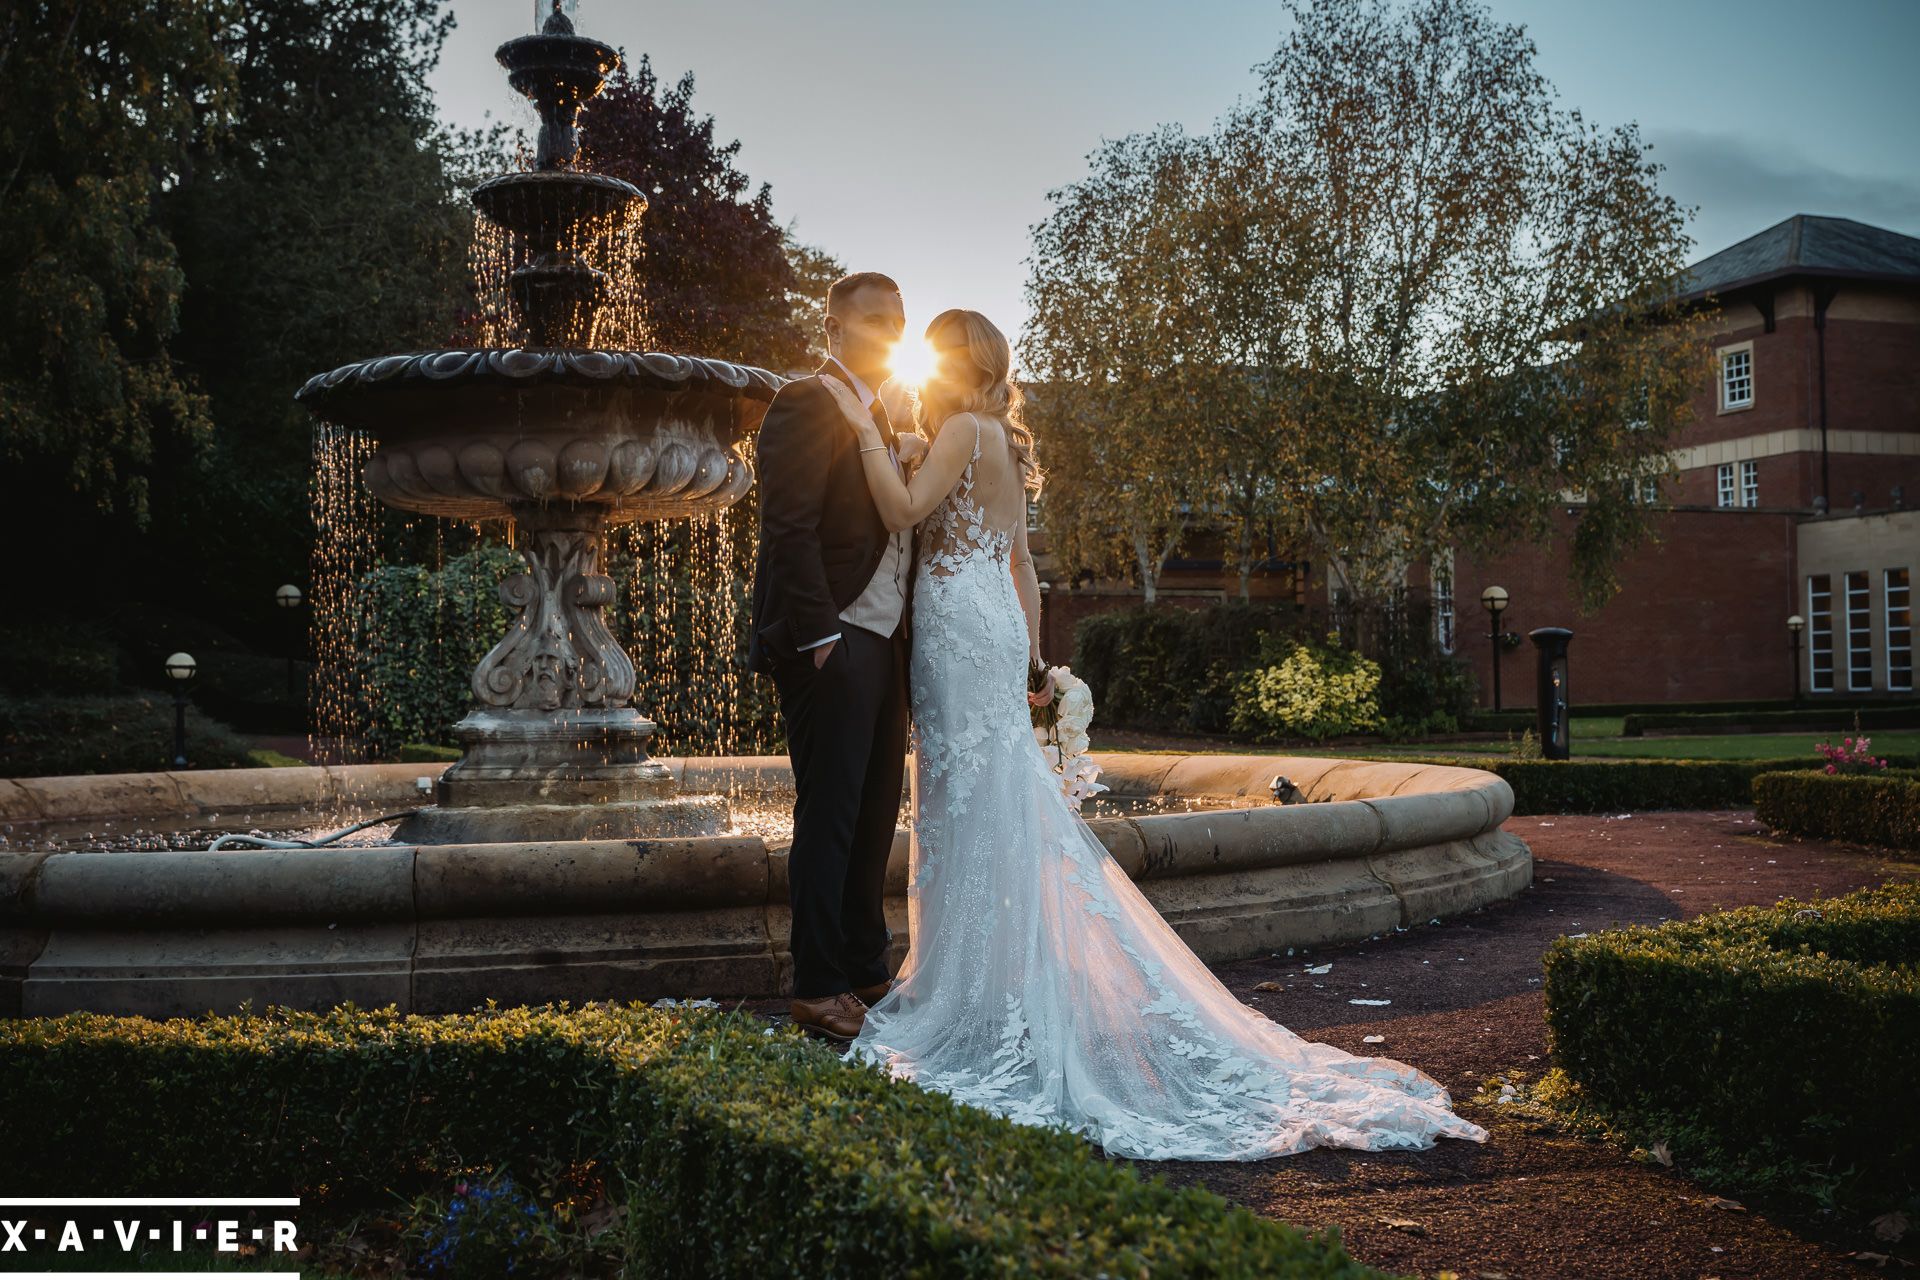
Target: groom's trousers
{"points": [[847, 735]]}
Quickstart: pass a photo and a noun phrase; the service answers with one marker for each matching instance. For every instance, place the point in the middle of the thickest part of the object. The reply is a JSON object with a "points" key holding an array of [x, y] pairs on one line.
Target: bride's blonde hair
{"points": [[984, 385]]}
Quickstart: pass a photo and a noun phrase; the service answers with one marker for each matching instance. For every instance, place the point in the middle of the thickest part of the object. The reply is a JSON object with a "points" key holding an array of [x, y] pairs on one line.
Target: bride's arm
{"points": [[1027, 584], [903, 505]]}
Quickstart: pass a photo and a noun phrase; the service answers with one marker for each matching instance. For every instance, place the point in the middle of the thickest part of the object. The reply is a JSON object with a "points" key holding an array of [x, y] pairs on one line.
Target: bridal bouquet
{"points": [[1061, 726]]}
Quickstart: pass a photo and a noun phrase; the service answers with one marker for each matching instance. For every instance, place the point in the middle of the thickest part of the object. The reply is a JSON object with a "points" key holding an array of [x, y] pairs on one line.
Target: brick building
{"points": [[1796, 492]]}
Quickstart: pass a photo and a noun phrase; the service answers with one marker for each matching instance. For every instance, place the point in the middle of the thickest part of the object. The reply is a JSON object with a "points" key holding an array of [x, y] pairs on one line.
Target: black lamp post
{"points": [[1494, 601], [1795, 625], [180, 669], [288, 597]]}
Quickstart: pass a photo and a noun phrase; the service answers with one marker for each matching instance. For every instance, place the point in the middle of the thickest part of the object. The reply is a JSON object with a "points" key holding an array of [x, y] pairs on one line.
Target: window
{"points": [[1736, 377], [1897, 597], [1649, 490], [1749, 484], [1859, 633], [1443, 616], [1819, 633], [1723, 484]]}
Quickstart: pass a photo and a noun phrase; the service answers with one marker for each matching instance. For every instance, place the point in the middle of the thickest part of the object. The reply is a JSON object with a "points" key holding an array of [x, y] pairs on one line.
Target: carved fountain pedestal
{"points": [[553, 750]]}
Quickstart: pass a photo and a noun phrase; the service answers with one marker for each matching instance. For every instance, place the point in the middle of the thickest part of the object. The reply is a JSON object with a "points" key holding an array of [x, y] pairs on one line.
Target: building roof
{"points": [[1807, 245]]}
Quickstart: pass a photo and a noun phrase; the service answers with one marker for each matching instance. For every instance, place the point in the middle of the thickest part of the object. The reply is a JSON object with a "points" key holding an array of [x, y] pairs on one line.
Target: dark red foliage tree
{"points": [[717, 272]]}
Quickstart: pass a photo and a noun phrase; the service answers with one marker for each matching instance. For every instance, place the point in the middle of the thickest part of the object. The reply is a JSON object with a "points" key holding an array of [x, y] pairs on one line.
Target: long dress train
{"points": [[1040, 983]]}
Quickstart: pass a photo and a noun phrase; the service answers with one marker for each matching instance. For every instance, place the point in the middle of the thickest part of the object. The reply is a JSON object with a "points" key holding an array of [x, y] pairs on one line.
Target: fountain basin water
{"points": [[441, 928]]}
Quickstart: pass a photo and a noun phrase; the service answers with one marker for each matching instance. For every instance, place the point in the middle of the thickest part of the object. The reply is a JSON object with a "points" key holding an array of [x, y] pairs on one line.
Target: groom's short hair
{"points": [[848, 285]]}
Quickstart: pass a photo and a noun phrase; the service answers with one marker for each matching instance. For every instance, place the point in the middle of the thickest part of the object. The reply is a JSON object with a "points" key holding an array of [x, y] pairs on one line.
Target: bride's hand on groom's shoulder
{"points": [[850, 407]]}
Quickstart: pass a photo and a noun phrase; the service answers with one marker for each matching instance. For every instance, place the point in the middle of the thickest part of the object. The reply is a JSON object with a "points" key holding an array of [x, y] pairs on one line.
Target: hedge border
{"points": [[1875, 809], [743, 1151], [1756, 1037], [1619, 785]]}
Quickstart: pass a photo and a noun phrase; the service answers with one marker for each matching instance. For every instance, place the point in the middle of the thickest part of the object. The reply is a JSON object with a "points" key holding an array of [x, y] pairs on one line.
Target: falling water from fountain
{"points": [[569, 433]]}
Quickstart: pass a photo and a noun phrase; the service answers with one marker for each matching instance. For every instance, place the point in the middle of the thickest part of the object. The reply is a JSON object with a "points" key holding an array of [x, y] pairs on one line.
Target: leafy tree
{"points": [[328, 225], [1489, 316], [1105, 347], [104, 107], [1404, 302], [719, 276]]}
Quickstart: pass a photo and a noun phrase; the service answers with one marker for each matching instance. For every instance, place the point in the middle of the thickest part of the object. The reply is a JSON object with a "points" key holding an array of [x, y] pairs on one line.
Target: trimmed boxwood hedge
{"points": [[110, 733], [1763, 1037], [1621, 786], [735, 1150], [1880, 809]]}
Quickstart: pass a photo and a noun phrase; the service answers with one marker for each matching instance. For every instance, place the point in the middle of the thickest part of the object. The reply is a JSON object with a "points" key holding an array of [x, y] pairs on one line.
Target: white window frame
{"points": [[1859, 600], [1749, 483], [1736, 377], [1819, 632], [1896, 604], [1649, 490], [1445, 622], [1723, 490]]}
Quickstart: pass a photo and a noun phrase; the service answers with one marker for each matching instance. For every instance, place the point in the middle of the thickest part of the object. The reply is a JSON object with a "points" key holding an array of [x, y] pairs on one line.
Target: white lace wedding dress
{"points": [[1040, 983]]}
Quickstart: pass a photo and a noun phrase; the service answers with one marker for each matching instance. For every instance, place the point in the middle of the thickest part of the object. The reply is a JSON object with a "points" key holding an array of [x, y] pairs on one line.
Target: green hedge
{"points": [[1877, 809], [1755, 1041], [1621, 786], [1173, 667], [1180, 669], [124, 733], [419, 634], [734, 1150], [1829, 719], [56, 656]]}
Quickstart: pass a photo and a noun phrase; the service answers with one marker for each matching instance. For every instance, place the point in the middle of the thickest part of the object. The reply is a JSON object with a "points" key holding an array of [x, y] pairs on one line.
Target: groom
{"points": [[830, 611]]}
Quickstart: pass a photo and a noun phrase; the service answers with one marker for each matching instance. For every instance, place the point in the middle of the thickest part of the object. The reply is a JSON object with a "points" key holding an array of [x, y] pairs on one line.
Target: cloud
{"points": [[1741, 187]]}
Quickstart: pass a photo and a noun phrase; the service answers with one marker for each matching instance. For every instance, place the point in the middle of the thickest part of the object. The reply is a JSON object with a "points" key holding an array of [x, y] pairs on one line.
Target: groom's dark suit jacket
{"points": [[821, 538]]}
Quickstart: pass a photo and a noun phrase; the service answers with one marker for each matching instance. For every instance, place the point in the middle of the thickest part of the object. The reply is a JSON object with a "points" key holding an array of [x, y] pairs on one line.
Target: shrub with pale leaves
{"points": [[1318, 691]]}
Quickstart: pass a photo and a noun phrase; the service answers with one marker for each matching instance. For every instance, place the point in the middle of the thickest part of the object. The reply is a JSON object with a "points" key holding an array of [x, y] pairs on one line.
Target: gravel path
{"points": [[1530, 1203]]}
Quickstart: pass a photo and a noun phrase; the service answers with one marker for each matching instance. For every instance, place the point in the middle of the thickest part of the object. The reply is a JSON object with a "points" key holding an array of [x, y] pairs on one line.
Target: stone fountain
{"points": [[562, 863], [567, 438]]}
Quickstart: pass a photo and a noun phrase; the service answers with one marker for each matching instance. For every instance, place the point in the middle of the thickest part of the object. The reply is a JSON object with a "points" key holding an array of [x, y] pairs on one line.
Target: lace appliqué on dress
{"points": [[1041, 983]]}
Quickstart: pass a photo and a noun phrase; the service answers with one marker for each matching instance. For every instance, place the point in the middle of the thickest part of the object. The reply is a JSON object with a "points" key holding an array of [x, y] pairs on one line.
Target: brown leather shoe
{"points": [[835, 1017], [872, 995]]}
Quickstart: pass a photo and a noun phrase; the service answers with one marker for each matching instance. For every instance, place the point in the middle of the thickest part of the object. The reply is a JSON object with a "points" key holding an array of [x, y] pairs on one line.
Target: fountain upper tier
{"points": [[469, 434]]}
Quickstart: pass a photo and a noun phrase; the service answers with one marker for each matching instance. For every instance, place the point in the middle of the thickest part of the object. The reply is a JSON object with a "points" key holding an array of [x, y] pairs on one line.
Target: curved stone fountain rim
{"points": [[1463, 802], [443, 928]]}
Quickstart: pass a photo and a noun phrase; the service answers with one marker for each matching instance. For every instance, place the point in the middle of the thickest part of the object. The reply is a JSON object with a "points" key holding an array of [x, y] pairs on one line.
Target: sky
{"points": [[920, 138]]}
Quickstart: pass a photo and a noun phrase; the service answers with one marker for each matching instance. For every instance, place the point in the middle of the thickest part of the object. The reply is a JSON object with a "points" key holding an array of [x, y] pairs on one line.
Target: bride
{"points": [[1040, 983]]}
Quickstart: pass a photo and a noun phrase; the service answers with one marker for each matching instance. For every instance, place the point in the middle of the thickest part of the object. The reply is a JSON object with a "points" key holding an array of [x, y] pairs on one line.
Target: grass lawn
{"points": [[1739, 746]]}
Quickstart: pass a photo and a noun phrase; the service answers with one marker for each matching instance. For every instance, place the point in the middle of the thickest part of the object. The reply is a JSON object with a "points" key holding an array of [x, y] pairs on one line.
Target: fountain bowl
{"points": [[436, 928], [471, 434]]}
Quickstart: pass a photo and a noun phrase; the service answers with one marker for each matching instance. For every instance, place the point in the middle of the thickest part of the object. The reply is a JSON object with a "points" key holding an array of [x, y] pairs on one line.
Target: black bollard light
{"points": [[1494, 601], [180, 669], [288, 597], [1550, 698]]}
